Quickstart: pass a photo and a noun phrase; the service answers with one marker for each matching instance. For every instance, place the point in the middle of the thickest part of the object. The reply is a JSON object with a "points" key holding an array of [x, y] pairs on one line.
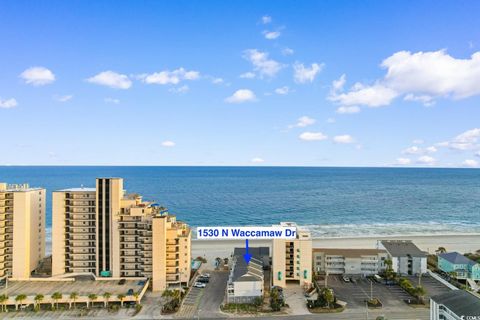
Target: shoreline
{"points": [[463, 243]]}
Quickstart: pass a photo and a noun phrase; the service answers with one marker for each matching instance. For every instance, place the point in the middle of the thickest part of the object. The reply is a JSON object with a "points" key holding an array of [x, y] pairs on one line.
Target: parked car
{"points": [[205, 275], [122, 281], [130, 292], [346, 279], [352, 280], [141, 283], [203, 280], [199, 285]]}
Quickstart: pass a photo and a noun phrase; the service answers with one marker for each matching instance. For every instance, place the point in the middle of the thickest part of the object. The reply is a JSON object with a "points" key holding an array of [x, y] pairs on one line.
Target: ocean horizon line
{"points": [[235, 166]]}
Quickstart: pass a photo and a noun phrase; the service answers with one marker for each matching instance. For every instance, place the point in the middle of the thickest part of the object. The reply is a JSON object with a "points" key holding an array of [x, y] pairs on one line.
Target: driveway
{"points": [[205, 303], [295, 299]]}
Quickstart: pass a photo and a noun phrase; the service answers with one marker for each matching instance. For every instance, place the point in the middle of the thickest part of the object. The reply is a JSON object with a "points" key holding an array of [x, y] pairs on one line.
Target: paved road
{"points": [[205, 303]]}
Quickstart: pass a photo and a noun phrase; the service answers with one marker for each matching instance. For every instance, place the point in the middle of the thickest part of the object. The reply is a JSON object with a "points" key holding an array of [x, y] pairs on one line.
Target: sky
{"points": [[248, 83]]}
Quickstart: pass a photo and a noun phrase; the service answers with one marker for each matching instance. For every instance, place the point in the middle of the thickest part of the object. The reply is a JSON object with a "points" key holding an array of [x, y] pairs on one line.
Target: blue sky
{"points": [[314, 83]]}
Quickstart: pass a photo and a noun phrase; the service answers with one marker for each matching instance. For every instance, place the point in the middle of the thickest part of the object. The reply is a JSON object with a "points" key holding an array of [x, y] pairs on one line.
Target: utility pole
{"points": [[366, 310], [371, 290]]}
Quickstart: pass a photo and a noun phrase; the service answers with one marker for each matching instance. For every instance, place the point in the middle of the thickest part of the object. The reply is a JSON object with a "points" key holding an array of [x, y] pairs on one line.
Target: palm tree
{"points": [[136, 295], [328, 296], [440, 250], [92, 297], [73, 297], [107, 296], [121, 297], [38, 299], [389, 274], [56, 296], [167, 293], [420, 293], [20, 299], [3, 301]]}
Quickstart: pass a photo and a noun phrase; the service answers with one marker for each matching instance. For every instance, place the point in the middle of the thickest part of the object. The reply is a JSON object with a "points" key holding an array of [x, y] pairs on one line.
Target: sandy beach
{"points": [[211, 249]]}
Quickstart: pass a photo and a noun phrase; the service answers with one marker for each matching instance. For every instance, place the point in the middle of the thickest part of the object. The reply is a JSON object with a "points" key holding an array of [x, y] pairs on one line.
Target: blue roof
{"points": [[457, 258], [154, 205]]}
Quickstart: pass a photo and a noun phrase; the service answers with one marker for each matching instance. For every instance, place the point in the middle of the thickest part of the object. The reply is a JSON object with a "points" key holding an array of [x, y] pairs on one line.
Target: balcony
{"points": [[130, 268], [172, 278], [171, 249]]}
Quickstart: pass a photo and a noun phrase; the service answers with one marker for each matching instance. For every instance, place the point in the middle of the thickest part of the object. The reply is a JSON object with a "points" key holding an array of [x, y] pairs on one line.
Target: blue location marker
{"points": [[247, 256]]}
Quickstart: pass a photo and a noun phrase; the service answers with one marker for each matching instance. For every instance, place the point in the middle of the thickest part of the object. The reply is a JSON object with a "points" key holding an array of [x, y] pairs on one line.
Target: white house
{"points": [[407, 258], [246, 281]]}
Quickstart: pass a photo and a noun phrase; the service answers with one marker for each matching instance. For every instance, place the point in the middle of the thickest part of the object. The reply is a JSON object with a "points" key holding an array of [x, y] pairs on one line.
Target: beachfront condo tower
{"points": [[22, 230], [109, 233], [292, 258]]}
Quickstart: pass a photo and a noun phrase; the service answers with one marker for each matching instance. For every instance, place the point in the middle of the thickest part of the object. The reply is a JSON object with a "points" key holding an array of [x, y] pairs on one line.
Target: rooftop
{"points": [[81, 189], [84, 286], [402, 248], [457, 258], [254, 270], [461, 302], [349, 253], [4, 187]]}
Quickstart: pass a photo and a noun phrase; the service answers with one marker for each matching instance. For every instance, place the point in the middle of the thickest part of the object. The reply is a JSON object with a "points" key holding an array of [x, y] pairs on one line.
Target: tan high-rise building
{"points": [[110, 233], [292, 258], [22, 230]]}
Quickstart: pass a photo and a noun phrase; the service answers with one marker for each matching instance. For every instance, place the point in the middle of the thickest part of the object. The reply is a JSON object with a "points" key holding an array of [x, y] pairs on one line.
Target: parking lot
{"points": [[432, 286], [82, 287], [392, 296], [205, 301]]}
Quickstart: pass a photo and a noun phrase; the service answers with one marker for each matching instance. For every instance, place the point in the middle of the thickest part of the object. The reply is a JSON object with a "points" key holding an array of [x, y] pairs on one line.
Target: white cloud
{"points": [[470, 163], [331, 120], [418, 141], [266, 19], [403, 161], [111, 100], [412, 150], [261, 63], [170, 77], [477, 154], [111, 79], [257, 160], [287, 51], [426, 100], [271, 35], [313, 136], [337, 85], [217, 81], [38, 76], [8, 103], [283, 90], [241, 95], [61, 98], [348, 110], [426, 160], [418, 150], [373, 96], [247, 75], [465, 141], [345, 138], [179, 90], [433, 73], [304, 74], [420, 76], [168, 144], [303, 122], [431, 149]]}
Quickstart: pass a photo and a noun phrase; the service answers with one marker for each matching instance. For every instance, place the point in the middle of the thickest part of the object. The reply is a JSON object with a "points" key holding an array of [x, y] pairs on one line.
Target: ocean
{"points": [[331, 202]]}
